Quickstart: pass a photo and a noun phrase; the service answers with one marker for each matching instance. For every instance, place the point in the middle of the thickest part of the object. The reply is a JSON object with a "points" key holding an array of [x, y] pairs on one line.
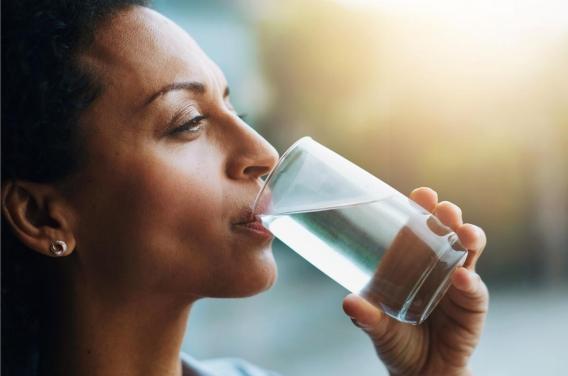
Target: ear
{"points": [[38, 215]]}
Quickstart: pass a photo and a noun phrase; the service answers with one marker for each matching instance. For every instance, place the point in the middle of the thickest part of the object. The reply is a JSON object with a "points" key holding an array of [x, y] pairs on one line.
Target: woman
{"points": [[127, 181]]}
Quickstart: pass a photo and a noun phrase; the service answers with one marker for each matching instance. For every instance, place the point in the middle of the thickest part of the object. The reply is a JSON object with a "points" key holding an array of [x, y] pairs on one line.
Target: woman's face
{"points": [[170, 170]]}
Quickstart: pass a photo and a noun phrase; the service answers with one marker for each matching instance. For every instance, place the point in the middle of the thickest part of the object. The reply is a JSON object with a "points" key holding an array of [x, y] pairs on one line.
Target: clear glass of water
{"points": [[361, 232]]}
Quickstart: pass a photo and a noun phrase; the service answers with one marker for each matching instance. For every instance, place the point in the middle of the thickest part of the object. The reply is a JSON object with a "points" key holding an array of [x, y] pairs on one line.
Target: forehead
{"points": [[138, 51]]}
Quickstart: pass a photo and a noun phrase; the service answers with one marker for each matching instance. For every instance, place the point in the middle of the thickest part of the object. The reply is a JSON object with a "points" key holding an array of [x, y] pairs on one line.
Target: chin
{"points": [[251, 279], [255, 283], [240, 277]]}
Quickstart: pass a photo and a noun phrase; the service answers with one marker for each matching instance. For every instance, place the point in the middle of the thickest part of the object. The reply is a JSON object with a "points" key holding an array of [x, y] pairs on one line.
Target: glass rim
{"points": [[281, 160]]}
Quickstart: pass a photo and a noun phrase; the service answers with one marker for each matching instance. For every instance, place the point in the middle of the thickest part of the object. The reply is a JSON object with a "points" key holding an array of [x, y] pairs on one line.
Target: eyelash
{"points": [[194, 125]]}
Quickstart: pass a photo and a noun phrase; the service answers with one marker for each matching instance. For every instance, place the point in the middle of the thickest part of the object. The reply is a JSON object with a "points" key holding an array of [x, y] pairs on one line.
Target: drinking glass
{"points": [[361, 232]]}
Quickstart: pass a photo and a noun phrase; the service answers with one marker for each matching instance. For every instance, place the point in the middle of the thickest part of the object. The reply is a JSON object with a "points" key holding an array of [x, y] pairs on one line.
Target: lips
{"points": [[254, 224], [251, 225], [250, 222], [260, 206], [247, 216]]}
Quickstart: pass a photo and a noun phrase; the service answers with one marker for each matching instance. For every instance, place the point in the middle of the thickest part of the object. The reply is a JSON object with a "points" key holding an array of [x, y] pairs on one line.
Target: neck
{"points": [[101, 331]]}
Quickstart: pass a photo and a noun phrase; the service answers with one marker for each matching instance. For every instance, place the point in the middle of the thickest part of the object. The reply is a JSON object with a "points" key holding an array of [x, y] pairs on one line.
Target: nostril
{"points": [[256, 171]]}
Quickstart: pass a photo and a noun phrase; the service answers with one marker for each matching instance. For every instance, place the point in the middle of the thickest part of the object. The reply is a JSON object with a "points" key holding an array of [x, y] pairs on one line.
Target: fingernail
{"points": [[356, 323]]}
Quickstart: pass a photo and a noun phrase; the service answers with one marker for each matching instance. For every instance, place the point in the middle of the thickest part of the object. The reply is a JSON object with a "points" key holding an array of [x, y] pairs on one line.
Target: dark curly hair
{"points": [[44, 90]]}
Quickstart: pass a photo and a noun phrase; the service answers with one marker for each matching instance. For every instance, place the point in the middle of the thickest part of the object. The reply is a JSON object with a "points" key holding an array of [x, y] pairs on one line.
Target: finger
{"points": [[474, 239], [449, 214], [366, 316], [425, 197], [470, 293], [466, 281]]}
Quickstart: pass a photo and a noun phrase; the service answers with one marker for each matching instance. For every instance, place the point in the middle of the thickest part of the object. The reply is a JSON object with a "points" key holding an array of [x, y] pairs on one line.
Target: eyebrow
{"points": [[193, 86]]}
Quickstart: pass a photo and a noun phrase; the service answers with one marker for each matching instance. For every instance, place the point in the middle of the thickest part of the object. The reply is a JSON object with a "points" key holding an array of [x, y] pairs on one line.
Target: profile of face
{"points": [[170, 169]]}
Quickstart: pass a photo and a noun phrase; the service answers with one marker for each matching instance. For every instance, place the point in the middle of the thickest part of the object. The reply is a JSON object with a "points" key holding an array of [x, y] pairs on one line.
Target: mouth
{"points": [[251, 224]]}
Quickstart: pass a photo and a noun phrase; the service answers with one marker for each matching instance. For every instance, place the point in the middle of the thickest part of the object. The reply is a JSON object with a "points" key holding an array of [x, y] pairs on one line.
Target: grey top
{"points": [[221, 367], [190, 367]]}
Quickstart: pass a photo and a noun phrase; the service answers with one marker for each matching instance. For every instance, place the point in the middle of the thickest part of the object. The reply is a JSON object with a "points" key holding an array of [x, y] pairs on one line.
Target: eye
{"points": [[194, 125]]}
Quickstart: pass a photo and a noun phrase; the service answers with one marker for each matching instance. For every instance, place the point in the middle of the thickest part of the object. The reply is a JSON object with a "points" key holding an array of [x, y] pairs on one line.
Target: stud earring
{"points": [[57, 247]]}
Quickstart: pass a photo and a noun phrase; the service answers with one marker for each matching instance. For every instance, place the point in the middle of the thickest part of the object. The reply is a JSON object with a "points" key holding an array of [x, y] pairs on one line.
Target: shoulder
{"points": [[221, 367]]}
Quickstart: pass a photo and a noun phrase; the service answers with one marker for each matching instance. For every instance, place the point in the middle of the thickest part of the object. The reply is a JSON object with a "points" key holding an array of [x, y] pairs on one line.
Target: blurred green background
{"points": [[469, 98]]}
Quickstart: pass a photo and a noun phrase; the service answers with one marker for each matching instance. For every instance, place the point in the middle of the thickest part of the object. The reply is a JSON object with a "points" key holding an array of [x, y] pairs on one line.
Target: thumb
{"points": [[366, 316]]}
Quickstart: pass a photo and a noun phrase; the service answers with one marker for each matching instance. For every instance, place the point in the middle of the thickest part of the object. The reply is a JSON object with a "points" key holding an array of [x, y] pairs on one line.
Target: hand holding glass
{"points": [[358, 230]]}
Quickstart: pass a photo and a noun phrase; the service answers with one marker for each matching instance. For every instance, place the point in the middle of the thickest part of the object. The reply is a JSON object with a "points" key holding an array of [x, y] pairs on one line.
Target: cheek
{"points": [[179, 218], [175, 196], [175, 211], [153, 219]]}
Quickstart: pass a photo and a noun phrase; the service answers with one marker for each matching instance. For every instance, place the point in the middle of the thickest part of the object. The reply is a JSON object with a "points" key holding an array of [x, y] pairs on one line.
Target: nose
{"points": [[251, 155]]}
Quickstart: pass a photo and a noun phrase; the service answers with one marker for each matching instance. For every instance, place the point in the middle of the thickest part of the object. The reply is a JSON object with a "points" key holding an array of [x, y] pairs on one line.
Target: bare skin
{"points": [[153, 220]]}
